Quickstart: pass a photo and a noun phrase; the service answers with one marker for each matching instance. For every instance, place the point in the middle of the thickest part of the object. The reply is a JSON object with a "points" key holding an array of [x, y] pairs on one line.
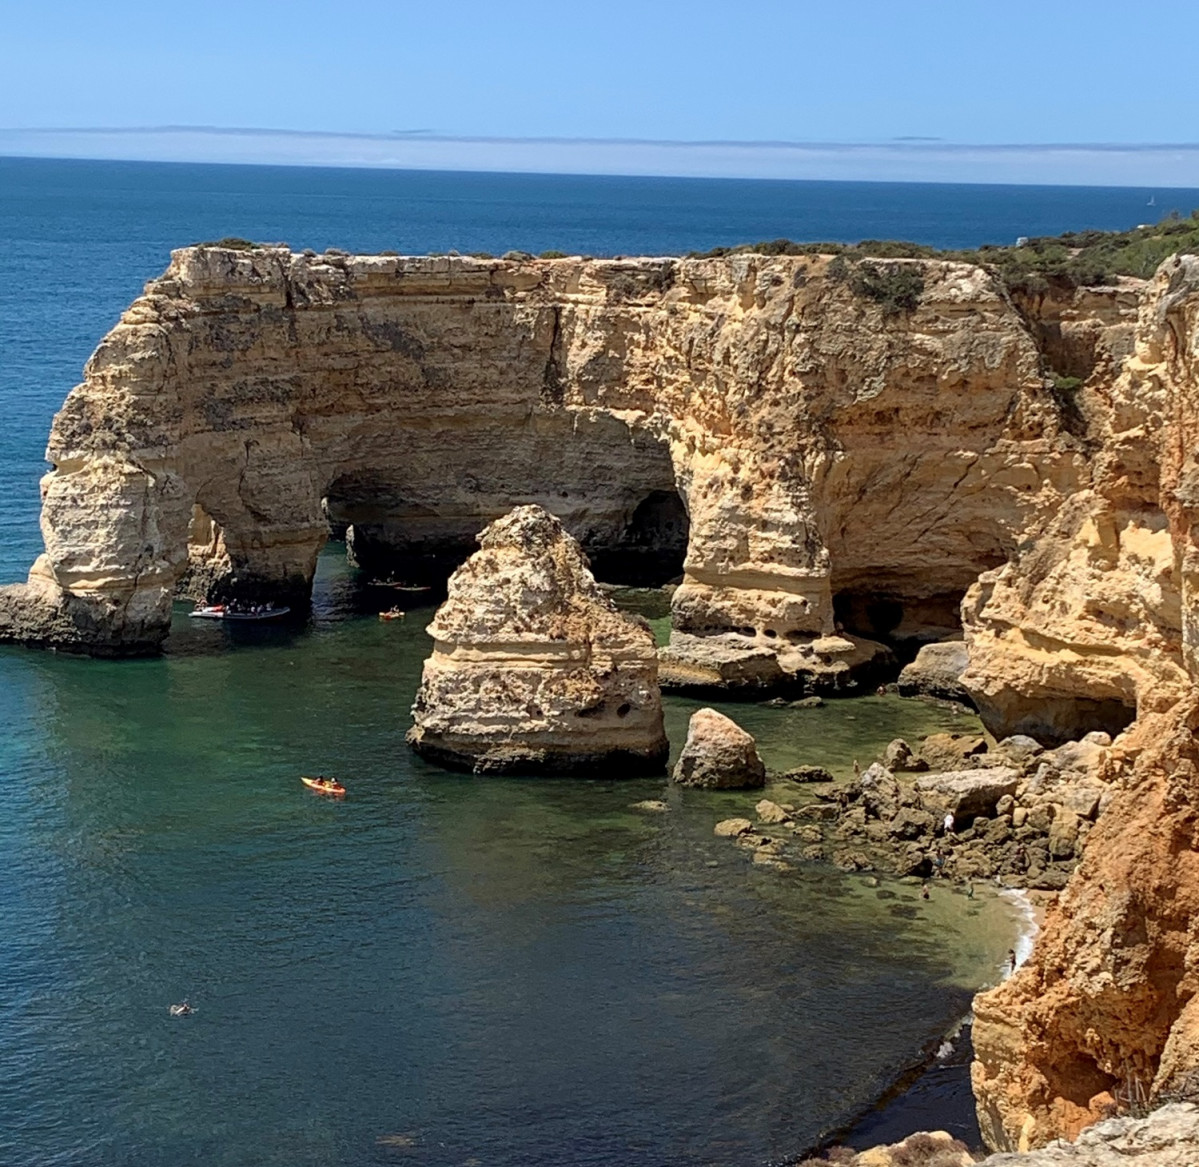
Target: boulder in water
{"points": [[719, 755]]}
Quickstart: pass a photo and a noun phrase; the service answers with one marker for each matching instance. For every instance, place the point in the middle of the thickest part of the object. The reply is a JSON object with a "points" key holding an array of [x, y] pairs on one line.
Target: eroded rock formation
{"points": [[816, 459], [1103, 1016], [534, 670], [1092, 619], [1168, 1137], [827, 473]]}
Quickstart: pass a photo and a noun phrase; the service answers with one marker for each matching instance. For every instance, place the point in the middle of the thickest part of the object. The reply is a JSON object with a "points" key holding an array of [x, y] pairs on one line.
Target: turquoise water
{"points": [[440, 970]]}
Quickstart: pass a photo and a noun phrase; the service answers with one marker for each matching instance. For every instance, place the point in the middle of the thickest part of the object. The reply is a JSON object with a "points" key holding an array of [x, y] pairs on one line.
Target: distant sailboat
{"points": [[1152, 201]]}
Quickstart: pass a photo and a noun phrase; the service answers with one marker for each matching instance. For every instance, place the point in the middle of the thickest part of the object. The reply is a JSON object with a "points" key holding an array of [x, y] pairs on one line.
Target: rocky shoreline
{"points": [[955, 808]]}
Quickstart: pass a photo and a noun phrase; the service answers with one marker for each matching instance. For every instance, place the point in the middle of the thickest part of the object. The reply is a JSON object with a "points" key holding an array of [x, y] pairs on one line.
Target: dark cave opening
{"points": [[650, 551], [903, 623]]}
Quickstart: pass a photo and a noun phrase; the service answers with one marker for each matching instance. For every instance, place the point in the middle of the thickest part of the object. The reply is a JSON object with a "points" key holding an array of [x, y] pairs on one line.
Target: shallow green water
{"points": [[442, 968]]}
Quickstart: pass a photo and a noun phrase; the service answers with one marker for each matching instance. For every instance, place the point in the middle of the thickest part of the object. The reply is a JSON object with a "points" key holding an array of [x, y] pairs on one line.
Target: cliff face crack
{"points": [[552, 382]]}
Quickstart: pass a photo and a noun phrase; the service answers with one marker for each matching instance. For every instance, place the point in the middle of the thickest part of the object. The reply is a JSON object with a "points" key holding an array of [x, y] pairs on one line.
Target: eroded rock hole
{"points": [[413, 513]]}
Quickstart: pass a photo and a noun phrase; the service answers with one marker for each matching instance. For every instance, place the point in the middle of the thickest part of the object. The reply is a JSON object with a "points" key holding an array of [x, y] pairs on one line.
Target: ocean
{"points": [[440, 970]]}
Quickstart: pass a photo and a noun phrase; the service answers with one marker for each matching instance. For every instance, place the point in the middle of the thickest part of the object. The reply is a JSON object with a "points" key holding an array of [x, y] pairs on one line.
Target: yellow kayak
{"points": [[325, 786]]}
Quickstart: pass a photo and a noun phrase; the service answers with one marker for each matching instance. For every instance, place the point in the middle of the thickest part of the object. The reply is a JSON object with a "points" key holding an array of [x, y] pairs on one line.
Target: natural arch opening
{"points": [[650, 551], [208, 563], [412, 513]]}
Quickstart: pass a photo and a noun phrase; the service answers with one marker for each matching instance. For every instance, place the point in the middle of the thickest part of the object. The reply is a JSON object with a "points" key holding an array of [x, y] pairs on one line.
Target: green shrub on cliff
{"points": [[895, 289], [1032, 266]]}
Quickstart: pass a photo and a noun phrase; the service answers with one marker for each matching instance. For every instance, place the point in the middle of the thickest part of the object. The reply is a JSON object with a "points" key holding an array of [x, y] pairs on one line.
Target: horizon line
{"points": [[913, 142]]}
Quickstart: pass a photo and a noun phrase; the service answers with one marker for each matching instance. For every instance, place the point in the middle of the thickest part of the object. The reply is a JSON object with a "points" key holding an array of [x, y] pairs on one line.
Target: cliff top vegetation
{"points": [[1032, 265]]}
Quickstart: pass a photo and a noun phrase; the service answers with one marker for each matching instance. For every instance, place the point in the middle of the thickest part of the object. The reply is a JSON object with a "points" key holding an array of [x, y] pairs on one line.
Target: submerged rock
{"points": [[534, 670], [806, 774], [732, 828], [770, 813], [718, 754]]}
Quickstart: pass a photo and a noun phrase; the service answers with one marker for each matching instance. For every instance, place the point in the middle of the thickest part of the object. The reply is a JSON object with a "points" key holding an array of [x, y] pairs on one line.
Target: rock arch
{"points": [[817, 444]]}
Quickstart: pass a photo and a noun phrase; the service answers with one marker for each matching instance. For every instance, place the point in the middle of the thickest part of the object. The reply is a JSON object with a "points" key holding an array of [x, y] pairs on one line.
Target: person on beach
{"points": [[1011, 955], [924, 891]]}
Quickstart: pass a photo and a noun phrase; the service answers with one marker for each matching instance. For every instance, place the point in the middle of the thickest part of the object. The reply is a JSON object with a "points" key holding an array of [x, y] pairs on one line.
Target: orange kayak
{"points": [[393, 614], [325, 786]]}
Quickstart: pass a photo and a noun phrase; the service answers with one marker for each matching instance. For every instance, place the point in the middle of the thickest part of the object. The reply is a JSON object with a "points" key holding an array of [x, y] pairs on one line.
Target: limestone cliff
{"points": [[1089, 620], [1103, 1016], [533, 668], [1101, 606], [826, 471], [805, 456]]}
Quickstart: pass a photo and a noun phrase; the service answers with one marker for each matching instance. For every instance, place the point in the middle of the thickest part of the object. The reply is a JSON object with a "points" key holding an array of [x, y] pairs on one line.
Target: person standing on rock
{"points": [[949, 822]]}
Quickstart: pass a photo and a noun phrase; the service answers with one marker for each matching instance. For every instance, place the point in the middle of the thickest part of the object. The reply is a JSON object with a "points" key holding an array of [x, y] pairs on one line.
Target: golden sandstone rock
{"points": [[533, 668], [749, 423], [718, 755]]}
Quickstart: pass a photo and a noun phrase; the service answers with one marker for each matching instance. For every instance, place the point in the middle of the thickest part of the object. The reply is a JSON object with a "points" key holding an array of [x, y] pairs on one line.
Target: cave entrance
{"points": [[410, 512], [903, 623], [392, 535], [650, 550]]}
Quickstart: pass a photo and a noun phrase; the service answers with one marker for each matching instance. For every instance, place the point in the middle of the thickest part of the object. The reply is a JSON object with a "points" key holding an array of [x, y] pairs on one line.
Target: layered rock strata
{"points": [[1168, 1137], [733, 419], [534, 670], [1092, 620], [1103, 1017], [1102, 605]]}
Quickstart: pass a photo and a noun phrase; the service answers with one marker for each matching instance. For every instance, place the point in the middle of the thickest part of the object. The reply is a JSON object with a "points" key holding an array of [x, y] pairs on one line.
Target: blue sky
{"points": [[757, 71]]}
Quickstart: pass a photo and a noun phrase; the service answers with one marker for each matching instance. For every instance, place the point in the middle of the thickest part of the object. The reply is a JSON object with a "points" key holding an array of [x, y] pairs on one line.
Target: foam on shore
{"points": [[1029, 924]]}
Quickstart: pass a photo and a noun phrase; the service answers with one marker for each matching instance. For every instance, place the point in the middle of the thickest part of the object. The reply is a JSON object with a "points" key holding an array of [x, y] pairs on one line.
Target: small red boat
{"points": [[329, 786]]}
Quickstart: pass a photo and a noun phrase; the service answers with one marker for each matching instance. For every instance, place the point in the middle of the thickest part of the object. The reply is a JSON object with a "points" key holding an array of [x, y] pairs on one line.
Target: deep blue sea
{"points": [[441, 970]]}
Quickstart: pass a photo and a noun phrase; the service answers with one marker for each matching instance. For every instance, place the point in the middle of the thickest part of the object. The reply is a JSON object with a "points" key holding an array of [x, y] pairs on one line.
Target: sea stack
{"points": [[534, 670]]}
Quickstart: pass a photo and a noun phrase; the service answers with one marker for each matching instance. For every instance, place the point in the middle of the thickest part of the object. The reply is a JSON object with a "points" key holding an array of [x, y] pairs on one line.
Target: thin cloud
{"points": [[910, 159]]}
